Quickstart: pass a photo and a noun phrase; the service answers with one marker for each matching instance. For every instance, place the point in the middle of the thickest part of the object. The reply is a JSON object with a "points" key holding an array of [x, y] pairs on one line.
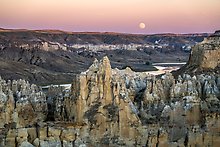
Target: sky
{"points": [[159, 16]]}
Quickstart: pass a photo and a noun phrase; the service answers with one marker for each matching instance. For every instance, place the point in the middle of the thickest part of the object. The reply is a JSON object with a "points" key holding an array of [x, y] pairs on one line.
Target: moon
{"points": [[141, 25]]}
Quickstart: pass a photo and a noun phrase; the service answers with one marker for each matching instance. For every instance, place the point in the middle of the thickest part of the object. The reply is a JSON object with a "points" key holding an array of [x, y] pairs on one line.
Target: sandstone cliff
{"points": [[205, 56]]}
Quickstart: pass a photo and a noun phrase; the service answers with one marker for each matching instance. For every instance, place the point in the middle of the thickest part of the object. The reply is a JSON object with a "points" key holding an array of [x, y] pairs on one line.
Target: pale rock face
{"points": [[137, 97], [26, 144], [22, 135], [68, 135], [103, 103], [22, 104], [206, 54]]}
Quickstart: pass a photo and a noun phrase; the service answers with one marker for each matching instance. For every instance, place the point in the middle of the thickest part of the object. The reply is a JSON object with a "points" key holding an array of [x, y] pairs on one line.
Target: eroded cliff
{"points": [[205, 56]]}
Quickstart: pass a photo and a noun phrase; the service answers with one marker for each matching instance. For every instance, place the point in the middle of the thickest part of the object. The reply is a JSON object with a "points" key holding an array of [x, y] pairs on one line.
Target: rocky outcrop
{"points": [[22, 106], [16, 99], [182, 105], [122, 107], [103, 104], [115, 108], [111, 107], [205, 55]]}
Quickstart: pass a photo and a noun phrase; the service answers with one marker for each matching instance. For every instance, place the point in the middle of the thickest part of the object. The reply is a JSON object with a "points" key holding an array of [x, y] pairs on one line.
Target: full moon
{"points": [[142, 25]]}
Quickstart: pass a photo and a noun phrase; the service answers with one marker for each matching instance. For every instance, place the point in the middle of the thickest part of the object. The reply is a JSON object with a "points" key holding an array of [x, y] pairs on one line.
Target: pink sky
{"points": [[160, 16]]}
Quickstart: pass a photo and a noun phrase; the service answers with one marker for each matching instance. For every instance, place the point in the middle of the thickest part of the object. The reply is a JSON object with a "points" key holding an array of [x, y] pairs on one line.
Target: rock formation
{"points": [[205, 55], [22, 106], [111, 107], [103, 104]]}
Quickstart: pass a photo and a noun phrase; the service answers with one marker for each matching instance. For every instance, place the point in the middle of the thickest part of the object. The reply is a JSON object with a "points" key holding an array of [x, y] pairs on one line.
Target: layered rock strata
{"points": [[205, 55]]}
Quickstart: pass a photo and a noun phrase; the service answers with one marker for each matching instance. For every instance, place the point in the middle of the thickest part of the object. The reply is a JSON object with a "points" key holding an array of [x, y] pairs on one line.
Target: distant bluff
{"points": [[205, 56], [217, 33]]}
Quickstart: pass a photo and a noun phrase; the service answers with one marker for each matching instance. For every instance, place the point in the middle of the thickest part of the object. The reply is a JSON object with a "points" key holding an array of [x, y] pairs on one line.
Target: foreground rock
{"points": [[113, 107], [130, 106], [21, 104]]}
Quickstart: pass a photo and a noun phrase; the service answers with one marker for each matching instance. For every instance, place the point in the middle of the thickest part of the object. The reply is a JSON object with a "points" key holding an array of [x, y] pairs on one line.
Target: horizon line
{"points": [[57, 31]]}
